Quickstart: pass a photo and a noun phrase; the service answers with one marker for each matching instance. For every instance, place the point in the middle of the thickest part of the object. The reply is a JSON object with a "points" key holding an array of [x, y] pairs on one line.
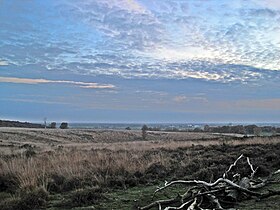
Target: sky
{"points": [[140, 60]]}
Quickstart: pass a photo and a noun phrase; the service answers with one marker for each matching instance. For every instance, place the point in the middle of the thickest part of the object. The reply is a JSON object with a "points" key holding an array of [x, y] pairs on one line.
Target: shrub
{"points": [[63, 125], [27, 201], [34, 199], [8, 183], [53, 125], [144, 131], [30, 152], [86, 196]]}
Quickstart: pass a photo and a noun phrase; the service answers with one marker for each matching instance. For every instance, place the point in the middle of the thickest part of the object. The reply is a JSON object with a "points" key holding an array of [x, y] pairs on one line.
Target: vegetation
{"points": [[8, 123], [63, 125], [120, 177], [248, 129], [225, 192], [53, 125], [144, 131]]}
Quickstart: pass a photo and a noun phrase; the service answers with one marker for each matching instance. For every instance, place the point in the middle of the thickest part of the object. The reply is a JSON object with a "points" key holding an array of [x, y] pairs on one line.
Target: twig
{"points": [[252, 168], [232, 165], [180, 207], [193, 205]]}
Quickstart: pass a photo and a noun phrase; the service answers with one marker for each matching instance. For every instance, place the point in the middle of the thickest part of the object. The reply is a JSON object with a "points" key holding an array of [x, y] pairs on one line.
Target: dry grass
{"points": [[95, 165], [35, 162]]}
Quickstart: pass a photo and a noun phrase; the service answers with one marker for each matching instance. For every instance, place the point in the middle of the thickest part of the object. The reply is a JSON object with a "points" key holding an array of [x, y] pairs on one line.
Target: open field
{"points": [[97, 169]]}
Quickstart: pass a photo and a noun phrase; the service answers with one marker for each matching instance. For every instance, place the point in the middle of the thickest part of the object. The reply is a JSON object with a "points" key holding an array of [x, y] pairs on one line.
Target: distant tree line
{"points": [[17, 124], [240, 129], [9, 123]]}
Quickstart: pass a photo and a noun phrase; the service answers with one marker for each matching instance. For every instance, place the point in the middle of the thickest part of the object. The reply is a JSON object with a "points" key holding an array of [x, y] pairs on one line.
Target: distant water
{"points": [[162, 126]]}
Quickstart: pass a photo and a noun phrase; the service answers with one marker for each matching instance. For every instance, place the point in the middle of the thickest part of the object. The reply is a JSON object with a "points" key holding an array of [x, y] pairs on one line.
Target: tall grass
{"points": [[95, 165], [104, 162]]}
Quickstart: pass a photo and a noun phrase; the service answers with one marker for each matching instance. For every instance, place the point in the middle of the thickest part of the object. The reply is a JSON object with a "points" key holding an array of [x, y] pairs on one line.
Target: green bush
{"points": [[86, 197], [63, 125], [26, 201]]}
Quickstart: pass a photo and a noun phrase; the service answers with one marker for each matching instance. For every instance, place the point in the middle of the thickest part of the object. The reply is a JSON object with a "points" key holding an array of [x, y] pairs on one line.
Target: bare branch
{"points": [[199, 182], [161, 202], [180, 207], [215, 200], [212, 194], [193, 205], [232, 165], [252, 168], [277, 172]]}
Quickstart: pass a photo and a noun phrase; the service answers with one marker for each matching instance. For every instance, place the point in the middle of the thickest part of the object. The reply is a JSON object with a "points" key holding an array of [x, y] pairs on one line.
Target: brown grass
{"points": [[92, 163], [96, 165]]}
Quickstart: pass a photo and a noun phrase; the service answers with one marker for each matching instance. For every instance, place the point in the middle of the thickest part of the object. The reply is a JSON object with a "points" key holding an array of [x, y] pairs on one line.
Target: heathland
{"points": [[118, 169]]}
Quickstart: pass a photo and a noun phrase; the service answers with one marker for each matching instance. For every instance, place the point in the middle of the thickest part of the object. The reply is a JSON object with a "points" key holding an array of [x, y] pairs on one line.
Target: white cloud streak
{"points": [[88, 85], [4, 63]]}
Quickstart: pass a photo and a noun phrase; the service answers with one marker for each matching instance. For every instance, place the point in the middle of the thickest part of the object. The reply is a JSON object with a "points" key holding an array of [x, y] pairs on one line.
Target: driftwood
{"points": [[224, 192]]}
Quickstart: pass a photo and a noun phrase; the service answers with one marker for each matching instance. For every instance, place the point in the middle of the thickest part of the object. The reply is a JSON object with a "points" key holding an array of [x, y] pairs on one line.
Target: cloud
{"points": [[4, 63], [204, 40], [130, 5], [182, 99], [126, 24], [89, 85], [271, 4], [37, 101]]}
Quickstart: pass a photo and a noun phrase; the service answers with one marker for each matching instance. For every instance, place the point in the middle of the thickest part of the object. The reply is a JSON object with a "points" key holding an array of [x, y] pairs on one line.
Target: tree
{"points": [[144, 131], [206, 128], [63, 125], [257, 131], [53, 125]]}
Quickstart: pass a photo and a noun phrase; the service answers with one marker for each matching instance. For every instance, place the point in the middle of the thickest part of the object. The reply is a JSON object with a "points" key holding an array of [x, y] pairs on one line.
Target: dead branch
{"points": [[232, 165], [180, 207], [206, 184], [252, 168], [223, 191]]}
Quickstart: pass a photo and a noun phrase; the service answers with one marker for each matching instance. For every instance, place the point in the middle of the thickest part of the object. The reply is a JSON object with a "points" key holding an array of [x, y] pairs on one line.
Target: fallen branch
{"points": [[223, 191]]}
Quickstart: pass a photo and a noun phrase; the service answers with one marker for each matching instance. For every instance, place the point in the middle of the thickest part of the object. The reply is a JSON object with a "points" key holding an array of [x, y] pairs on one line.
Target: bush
{"points": [[30, 152], [8, 183], [63, 125], [60, 183], [85, 197], [27, 201], [144, 131], [53, 125], [34, 199]]}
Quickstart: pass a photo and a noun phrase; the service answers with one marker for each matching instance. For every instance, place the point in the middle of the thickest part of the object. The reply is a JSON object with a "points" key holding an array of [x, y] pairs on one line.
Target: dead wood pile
{"points": [[223, 193]]}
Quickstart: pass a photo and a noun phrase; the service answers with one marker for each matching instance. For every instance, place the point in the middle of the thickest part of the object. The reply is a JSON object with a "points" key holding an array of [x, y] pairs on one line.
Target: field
{"points": [[108, 169]]}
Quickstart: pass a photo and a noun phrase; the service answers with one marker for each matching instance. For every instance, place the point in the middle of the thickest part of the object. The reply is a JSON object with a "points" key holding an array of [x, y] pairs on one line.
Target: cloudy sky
{"points": [[140, 60]]}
